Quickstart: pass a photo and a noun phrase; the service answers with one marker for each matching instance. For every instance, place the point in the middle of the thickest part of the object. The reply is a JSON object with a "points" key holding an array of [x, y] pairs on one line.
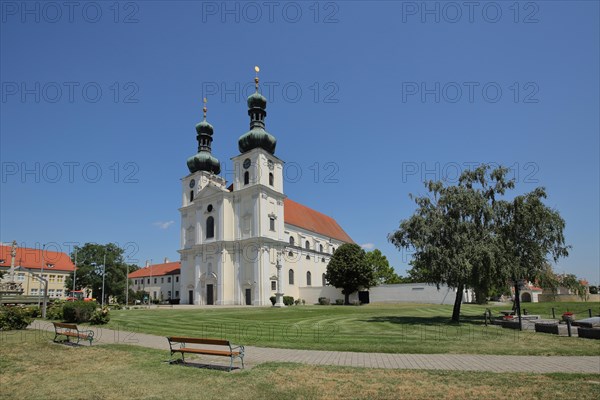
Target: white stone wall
{"points": [[399, 293]]}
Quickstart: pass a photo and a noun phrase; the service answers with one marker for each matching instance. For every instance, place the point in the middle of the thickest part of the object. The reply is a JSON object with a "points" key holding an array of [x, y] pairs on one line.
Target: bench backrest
{"points": [[214, 342], [64, 325]]}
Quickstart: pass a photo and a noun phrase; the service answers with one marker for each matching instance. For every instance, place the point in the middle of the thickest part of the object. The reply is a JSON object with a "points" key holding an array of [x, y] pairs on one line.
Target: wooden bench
{"points": [[72, 331], [232, 352]]}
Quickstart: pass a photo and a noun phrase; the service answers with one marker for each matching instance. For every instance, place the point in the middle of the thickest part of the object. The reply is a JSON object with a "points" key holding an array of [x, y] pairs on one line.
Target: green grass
{"points": [[399, 328], [32, 367]]}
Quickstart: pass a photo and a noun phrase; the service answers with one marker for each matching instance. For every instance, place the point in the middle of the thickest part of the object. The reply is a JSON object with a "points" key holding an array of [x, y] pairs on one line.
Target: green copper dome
{"points": [[257, 136], [204, 161], [257, 100]]}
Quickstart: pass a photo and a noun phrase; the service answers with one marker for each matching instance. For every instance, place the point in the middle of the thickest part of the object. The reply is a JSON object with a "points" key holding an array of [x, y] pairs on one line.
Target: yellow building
{"points": [[52, 265]]}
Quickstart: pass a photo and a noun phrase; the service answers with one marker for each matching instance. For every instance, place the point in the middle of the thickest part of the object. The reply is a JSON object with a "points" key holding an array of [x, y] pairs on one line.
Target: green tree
{"points": [[348, 269], [90, 259], [382, 271], [452, 233], [529, 233]]}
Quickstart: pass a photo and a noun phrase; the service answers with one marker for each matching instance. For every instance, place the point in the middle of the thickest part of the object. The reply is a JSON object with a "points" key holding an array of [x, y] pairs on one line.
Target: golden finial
{"points": [[204, 108], [257, 70]]}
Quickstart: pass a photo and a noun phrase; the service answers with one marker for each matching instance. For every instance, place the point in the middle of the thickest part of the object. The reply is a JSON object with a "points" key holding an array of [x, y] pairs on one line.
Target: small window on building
{"points": [[155, 281], [162, 280], [271, 178], [177, 279], [177, 294], [154, 295], [246, 178], [323, 259], [59, 292], [292, 241], [272, 224], [191, 196], [307, 257], [332, 250], [210, 227], [169, 294], [291, 254], [308, 279], [168, 279], [321, 248], [307, 245], [34, 291], [291, 276], [148, 281], [273, 285], [20, 277], [324, 281], [135, 281]]}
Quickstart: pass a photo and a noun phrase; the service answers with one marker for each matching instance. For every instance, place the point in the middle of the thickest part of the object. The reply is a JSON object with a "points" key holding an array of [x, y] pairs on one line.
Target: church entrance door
{"points": [[209, 295], [191, 297], [248, 297]]}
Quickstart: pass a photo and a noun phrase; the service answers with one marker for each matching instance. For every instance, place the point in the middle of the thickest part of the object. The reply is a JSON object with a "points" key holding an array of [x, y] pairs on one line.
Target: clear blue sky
{"points": [[391, 93]]}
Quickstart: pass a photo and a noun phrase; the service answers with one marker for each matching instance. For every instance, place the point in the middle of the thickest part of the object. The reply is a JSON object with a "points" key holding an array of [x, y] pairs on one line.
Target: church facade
{"points": [[244, 242]]}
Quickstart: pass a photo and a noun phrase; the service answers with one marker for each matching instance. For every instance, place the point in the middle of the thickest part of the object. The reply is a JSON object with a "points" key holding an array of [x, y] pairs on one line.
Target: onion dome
{"points": [[257, 136], [204, 160]]}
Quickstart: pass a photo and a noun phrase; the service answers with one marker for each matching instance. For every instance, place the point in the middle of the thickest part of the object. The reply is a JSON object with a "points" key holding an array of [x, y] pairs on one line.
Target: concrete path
{"points": [[462, 362]]}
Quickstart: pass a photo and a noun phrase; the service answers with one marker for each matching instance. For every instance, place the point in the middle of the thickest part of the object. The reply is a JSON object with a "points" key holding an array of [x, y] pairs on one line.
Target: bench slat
{"points": [[207, 352], [215, 342]]}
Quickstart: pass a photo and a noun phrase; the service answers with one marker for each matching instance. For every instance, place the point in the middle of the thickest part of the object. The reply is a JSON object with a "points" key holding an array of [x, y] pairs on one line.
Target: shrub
{"points": [[78, 311], [339, 302], [273, 299], [100, 316], [33, 311], [115, 306], [55, 310], [288, 300], [324, 301], [14, 318]]}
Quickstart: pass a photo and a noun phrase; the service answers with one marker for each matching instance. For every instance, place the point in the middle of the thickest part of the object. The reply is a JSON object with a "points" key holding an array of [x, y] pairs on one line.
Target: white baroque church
{"points": [[234, 238]]}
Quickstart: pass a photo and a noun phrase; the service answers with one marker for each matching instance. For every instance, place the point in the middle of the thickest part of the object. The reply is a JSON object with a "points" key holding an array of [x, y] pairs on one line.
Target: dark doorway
{"points": [[248, 297], [191, 297], [209, 295], [526, 297], [363, 297]]}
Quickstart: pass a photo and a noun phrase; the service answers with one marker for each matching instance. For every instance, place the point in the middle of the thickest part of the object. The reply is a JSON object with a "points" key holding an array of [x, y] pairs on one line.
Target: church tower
{"points": [[202, 222], [258, 204]]}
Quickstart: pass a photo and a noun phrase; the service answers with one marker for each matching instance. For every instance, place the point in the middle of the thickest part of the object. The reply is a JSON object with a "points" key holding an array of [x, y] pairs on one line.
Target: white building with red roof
{"points": [[160, 281], [234, 237]]}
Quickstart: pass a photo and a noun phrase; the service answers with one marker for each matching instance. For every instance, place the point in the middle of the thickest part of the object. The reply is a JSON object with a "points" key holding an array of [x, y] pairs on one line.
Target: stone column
{"points": [[279, 293]]}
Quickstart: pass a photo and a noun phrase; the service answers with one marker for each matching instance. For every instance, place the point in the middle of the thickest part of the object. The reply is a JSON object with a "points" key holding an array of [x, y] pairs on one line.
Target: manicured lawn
{"points": [[32, 367], [399, 328]]}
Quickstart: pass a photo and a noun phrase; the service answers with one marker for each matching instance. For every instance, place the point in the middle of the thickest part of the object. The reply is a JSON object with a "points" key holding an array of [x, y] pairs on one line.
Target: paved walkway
{"points": [[462, 362]]}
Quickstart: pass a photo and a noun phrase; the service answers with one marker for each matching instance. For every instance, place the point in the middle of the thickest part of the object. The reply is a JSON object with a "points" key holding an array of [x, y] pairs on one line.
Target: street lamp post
{"points": [[127, 286], [75, 273], [103, 275], [42, 275]]}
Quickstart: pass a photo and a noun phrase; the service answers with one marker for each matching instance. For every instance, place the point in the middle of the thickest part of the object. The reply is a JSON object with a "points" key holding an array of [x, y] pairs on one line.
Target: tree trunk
{"points": [[457, 303], [346, 298]]}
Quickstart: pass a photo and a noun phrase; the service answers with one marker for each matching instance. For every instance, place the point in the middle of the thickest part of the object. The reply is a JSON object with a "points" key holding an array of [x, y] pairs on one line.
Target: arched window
{"points": [[246, 178], [271, 178], [332, 250], [191, 196], [324, 280], [321, 248], [210, 227], [308, 279], [292, 240], [291, 276], [307, 245]]}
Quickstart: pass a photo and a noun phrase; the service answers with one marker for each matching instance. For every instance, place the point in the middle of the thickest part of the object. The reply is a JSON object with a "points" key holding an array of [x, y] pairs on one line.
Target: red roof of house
{"points": [[33, 259], [306, 218], [169, 268]]}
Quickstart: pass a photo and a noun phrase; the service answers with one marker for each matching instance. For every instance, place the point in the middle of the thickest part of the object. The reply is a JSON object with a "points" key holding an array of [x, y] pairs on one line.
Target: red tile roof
{"points": [[169, 268], [306, 218], [33, 259]]}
